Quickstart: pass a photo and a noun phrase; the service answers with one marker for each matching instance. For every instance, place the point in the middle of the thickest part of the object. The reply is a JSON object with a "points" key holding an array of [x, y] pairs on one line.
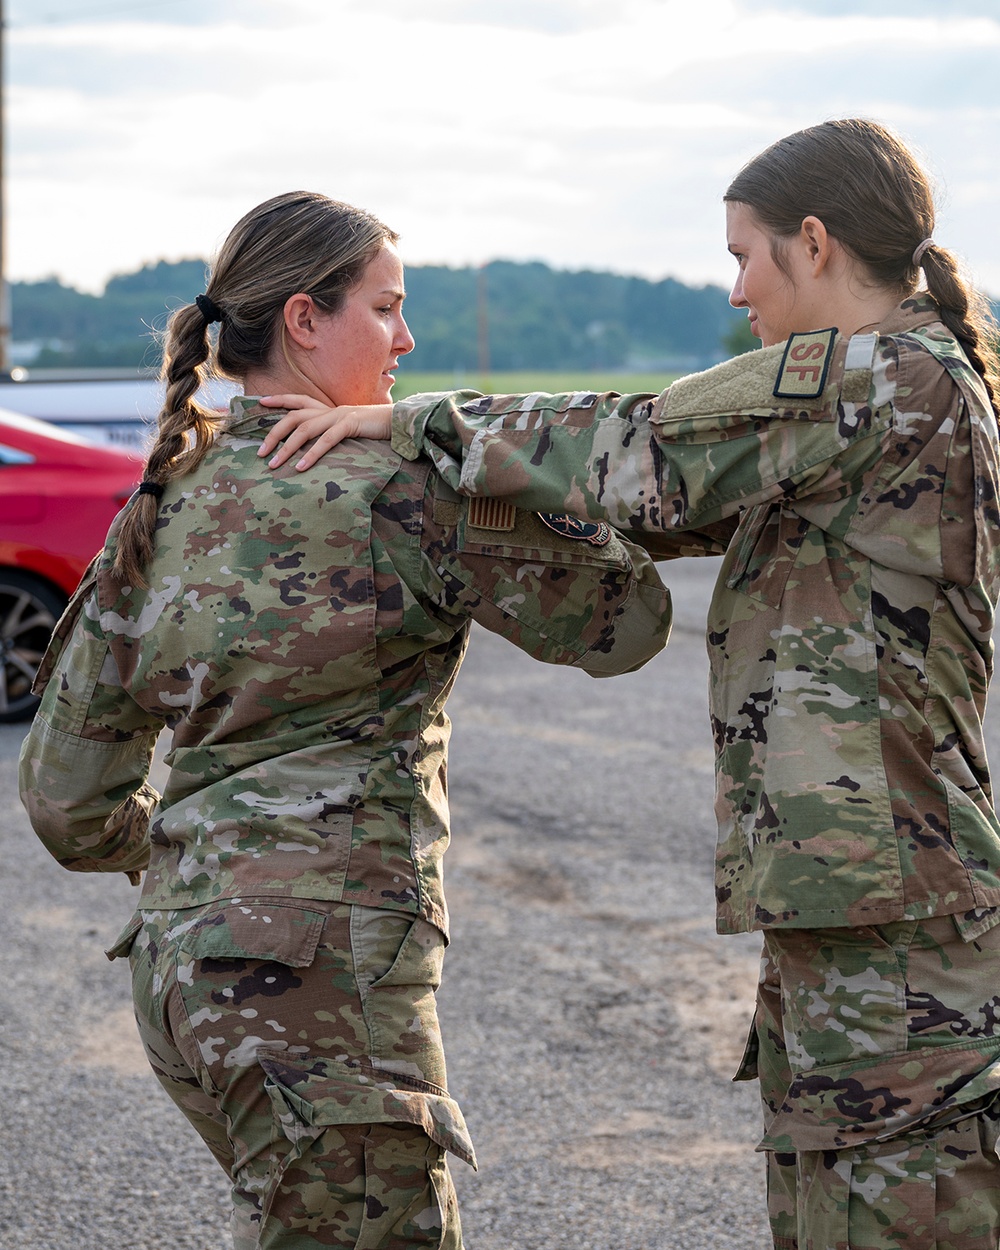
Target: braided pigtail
{"points": [[185, 433], [966, 314]]}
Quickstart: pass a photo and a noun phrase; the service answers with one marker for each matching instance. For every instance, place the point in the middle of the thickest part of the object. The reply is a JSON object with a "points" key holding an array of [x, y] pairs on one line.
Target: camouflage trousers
{"points": [[301, 1040], [878, 1054]]}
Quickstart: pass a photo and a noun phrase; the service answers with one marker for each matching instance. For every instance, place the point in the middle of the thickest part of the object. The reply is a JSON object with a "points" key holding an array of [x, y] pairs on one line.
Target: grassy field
{"points": [[521, 383]]}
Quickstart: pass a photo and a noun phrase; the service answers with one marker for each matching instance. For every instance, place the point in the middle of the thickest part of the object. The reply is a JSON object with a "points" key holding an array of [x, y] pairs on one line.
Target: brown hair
{"points": [[295, 242], [867, 188]]}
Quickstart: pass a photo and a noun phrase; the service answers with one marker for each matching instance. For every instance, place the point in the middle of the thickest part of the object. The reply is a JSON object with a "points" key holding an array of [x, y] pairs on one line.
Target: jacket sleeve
{"points": [[707, 447], [563, 591], [85, 760]]}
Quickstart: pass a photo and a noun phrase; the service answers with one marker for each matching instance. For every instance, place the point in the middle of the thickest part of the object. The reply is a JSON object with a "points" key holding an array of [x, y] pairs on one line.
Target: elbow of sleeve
{"points": [[639, 632], [118, 844]]}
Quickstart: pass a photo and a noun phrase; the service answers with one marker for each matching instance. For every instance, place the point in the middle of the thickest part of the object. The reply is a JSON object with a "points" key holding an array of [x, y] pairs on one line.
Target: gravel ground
{"points": [[591, 1015]]}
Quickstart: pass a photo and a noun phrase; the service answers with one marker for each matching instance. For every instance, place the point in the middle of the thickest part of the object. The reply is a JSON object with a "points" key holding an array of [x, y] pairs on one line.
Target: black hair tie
{"points": [[209, 309], [150, 488]]}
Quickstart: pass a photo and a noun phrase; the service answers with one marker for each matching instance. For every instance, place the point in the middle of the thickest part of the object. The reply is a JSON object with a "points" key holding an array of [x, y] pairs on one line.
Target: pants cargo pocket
{"points": [[398, 962], [409, 1198], [401, 1128], [870, 1198]]}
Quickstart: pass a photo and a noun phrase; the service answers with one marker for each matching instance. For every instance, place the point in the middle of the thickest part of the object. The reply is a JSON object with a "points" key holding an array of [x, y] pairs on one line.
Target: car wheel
{"points": [[29, 609]]}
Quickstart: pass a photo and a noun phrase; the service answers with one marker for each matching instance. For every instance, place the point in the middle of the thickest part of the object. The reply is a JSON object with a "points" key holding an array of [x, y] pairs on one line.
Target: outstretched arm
{"points": [[710, 445]]}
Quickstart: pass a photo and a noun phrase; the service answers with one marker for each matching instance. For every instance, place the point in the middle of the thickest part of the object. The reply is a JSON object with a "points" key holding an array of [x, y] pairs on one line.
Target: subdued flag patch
{"points": [[492, 514]]}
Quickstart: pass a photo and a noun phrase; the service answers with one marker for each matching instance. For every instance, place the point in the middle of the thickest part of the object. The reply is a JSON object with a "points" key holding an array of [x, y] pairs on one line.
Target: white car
{"points": [[108, 409]]}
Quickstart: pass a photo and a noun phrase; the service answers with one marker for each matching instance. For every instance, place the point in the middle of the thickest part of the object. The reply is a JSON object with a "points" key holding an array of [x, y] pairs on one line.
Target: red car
{"points": [[58, 495]]}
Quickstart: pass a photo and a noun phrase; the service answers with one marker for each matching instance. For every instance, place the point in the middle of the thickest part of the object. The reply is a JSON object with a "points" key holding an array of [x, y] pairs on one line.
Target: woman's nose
{"points": [[404, 339]]}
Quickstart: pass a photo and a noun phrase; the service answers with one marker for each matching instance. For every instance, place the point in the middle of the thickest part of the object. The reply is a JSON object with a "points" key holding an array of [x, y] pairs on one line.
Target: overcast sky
{"points": [[585, 133]]}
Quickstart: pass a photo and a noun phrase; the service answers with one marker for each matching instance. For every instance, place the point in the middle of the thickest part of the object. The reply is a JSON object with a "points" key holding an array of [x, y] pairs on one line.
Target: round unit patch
{"points": [[597, 533]]}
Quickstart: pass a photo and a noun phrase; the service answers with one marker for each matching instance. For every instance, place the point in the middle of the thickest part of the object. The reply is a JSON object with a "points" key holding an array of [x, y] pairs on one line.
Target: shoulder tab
{"points": [[804, 366], [491, 514], [597, 533], [858, 363]]}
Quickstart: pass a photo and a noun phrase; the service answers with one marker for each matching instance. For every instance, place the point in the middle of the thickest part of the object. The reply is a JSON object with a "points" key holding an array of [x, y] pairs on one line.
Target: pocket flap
{"points": [[837, 1107], [257, 930], [322, 1092], [123, 943]]}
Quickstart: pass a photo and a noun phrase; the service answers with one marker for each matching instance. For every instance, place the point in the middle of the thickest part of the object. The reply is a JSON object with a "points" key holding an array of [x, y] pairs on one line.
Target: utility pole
{"points": [[4, 288], [482, 323]]}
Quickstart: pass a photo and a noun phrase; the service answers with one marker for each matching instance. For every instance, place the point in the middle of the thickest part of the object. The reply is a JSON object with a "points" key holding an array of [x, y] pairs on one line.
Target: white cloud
{"points": [[588, 133]]}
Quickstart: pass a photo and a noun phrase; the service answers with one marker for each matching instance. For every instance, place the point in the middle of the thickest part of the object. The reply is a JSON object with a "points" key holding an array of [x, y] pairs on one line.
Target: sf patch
{"points": [[805, 364], [597, 533]]}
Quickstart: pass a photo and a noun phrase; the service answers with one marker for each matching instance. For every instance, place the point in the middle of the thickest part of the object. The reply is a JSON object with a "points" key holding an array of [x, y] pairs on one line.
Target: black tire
{"points": [[29, 609]]}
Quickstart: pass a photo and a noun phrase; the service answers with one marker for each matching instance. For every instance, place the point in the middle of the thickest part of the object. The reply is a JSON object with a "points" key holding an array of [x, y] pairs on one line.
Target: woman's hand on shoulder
{"points": [[307, 419]]}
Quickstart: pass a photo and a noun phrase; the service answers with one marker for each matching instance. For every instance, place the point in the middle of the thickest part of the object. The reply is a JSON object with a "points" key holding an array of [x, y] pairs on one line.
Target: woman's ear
{"points": [[816, 243], [300, 314]]}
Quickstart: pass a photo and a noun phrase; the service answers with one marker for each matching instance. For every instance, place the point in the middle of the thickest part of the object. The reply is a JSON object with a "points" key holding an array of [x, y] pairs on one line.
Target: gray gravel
{"points": [[591, 1015]]}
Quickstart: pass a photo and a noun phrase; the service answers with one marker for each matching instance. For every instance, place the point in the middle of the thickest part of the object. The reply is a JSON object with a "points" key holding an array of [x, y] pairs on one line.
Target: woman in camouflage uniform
{"points": [[856, 457], [298, 636]]}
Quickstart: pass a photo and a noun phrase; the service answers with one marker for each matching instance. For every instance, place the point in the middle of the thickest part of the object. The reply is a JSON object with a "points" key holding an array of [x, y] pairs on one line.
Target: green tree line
{"points": [[506, 316]]}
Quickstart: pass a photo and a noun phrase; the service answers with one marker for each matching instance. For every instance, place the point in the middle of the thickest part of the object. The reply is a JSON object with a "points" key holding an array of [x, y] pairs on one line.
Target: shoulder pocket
{"points": [[549, 539], [765, 550], [739, 392]]}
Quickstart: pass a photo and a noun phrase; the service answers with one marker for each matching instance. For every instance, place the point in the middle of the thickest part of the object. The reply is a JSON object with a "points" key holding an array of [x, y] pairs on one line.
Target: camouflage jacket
{"points": [[850, 631], [299, 637]]}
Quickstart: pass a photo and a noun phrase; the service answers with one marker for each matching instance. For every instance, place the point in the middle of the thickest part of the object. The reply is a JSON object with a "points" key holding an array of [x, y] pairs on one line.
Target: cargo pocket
{"points": [[398, 960], [869, 1196], [410, 1124]]}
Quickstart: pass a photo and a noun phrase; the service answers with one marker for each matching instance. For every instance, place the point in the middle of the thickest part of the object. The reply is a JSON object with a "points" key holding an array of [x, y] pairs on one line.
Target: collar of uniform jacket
{"points": [[248, 418], [918, 310]]}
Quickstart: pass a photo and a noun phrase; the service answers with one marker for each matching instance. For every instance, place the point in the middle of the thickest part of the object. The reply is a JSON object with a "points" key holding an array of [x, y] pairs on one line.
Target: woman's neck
{"points": [[856, 317], [269, 381]]}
